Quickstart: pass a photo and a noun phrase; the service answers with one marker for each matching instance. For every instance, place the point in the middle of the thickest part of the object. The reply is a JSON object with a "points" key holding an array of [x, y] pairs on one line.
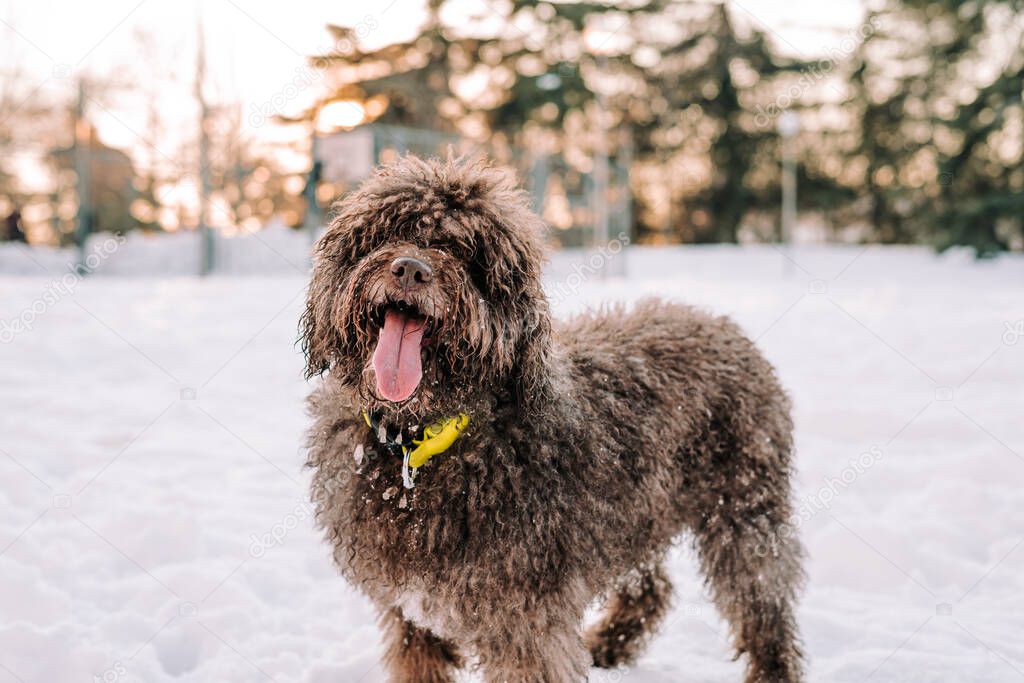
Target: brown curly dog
{"points": [[590, 446]]}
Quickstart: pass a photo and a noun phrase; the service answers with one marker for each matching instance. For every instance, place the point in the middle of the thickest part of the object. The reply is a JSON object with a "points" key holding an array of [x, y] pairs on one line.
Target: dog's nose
{"points": [[410, 271]]}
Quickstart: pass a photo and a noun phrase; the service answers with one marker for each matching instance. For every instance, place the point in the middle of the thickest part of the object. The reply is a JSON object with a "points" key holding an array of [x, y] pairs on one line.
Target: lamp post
{"points": [[311, 219], [207, 254], [82, 160], [596, 41], [788, 126]]}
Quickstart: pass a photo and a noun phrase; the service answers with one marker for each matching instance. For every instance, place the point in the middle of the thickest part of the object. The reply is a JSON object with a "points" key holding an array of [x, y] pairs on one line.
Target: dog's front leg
{"points": [[534, 651], [415, 655]]}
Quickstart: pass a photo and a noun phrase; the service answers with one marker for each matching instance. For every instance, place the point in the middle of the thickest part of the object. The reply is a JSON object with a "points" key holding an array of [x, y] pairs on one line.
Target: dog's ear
{"points": [[510, 257], [315, 330], [514, 253], [530, 374], [318, 327]]}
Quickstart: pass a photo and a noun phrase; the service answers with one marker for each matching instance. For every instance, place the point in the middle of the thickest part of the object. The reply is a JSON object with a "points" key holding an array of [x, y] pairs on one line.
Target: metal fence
{"points": [[583, 209]]}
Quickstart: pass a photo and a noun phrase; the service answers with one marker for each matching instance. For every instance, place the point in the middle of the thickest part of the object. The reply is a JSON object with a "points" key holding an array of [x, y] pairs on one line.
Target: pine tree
{"points": [[941, 123], [664, 76]]}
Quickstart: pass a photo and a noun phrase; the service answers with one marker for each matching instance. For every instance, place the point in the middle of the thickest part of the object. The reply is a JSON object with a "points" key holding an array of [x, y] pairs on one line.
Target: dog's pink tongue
{"points": [[396, 360]]}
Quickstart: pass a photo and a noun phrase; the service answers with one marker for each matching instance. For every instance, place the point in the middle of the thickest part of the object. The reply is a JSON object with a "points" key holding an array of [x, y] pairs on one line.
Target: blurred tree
{"points": [[414, 78], [673, 76], [938, 91], [111, 187], [573, 77], [151, 81], [248, 185], [21, 107], [704, 86]]}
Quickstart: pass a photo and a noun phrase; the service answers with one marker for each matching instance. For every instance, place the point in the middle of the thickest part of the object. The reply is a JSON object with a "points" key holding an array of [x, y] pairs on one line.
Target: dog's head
{"points": [[426, 289]]}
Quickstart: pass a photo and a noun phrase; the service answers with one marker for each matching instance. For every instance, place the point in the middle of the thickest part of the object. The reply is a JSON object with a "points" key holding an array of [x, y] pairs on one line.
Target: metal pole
{"points": [[206, 258], [83, 139], [789, 125], [788, 193], [312, 218], [601, 171], [626, 191], [538, 180]]}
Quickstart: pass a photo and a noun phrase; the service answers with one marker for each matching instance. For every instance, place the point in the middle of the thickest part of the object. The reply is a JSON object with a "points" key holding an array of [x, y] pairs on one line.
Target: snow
{"points": [[154, 524]]}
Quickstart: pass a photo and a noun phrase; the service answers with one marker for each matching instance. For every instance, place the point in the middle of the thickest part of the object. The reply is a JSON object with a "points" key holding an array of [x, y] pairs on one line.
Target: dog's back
{"points": [[691, 432], [672, 391]]}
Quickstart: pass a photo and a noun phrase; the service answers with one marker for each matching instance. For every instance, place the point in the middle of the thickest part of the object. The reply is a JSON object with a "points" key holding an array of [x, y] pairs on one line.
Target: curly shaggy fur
{"points": [[592, 445]]}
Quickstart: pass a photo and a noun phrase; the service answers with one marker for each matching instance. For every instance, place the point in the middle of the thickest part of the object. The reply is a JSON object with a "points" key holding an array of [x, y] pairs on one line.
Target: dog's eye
{"points": [[478, 276], [467, 254]]}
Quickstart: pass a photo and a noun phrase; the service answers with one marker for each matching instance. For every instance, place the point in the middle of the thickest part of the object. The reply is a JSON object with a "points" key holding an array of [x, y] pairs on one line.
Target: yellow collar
{"points": [[436, 439]]}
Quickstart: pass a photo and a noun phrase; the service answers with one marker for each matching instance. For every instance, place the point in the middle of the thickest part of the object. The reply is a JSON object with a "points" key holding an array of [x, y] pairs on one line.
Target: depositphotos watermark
{"points": [[811, 505], [112, 674], [582, 272], [308, 75], [279, 532], [615, 675], [815, 73], [55, 290], [1012, 332]]}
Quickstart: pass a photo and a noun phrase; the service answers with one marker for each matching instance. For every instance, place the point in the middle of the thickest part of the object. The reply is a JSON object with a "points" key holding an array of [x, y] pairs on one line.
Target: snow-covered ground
{"points": [[153, 515]]}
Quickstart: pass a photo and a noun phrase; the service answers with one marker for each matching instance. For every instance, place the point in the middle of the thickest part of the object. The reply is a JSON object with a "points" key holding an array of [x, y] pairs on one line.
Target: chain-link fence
{"points": [[572, 202]]}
